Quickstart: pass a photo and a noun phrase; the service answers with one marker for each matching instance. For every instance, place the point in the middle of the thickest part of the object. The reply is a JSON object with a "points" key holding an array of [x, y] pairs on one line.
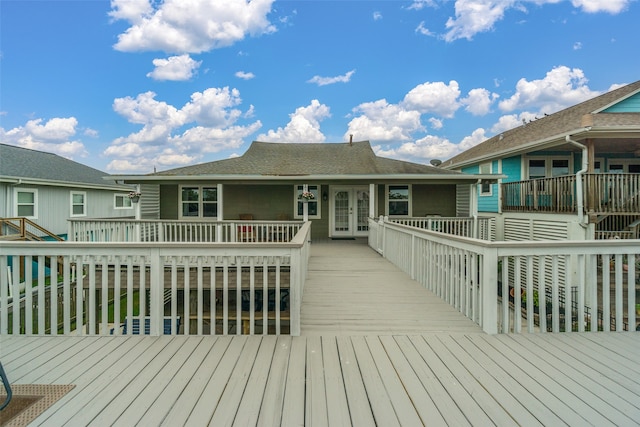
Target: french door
{"points": [[349, 211]]}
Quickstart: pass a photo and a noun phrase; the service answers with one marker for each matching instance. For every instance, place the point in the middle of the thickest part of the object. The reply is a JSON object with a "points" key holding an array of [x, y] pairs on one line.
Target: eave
{"points": [[14, 180]]}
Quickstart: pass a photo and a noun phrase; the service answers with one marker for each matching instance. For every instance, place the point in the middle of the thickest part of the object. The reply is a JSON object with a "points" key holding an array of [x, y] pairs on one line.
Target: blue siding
{"points": [[512, 168], [629, 105]]}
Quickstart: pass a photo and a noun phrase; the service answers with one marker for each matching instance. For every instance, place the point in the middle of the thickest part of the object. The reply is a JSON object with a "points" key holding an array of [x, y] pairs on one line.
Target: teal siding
{"points": [[629, 105], [512, 168]]}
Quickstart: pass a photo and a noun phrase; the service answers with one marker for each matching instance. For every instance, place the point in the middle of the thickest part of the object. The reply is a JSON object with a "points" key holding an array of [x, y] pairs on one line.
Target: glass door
{"points": [[350, 211]]}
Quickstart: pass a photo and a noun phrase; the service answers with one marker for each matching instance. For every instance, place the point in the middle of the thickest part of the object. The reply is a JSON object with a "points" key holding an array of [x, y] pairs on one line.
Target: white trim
{"points": [[548, 164], [72, 204], [125, 198], [624, 162], [318, 199], [490, 192], [386, 200], [200, 202], [35, 201]]}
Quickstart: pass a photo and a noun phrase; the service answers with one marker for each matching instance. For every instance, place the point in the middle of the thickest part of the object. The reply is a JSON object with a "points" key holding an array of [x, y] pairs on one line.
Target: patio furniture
{"points": [[246, 233], [7, 387]]}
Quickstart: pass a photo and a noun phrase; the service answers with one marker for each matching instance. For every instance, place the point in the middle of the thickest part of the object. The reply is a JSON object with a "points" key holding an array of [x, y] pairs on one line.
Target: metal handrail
{"points": [[7, 387]]}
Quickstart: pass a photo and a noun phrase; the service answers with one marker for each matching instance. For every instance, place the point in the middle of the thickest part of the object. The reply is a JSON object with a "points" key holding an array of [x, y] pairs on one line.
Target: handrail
{"points": [[22, 228], [7, 387]]}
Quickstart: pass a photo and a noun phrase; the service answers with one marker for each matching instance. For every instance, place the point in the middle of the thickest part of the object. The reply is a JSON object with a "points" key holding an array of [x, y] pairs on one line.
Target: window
{"points": [[624, 166], [398, 200], [199, 202], [537, 168], [27, 203], [485, 187], [313, 204], [122, 201], [78, 201]]}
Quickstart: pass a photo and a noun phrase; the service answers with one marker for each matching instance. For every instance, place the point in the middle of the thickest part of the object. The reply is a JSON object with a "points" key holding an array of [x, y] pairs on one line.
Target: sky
{"points": [[133, 86]]}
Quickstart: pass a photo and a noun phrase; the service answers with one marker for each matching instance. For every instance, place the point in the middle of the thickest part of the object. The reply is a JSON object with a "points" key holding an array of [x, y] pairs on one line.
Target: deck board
{"points": [[434, 379], [352, 290]]}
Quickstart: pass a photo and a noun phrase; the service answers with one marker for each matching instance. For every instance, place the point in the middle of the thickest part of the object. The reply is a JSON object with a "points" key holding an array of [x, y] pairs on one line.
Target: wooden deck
{"points": [[376, 350], [352, 290], [408, 380]]}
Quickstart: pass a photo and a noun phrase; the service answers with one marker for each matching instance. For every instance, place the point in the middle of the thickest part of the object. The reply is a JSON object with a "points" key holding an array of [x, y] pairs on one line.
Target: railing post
{"points": [[295, 289], [156, 290], [489, 291]]}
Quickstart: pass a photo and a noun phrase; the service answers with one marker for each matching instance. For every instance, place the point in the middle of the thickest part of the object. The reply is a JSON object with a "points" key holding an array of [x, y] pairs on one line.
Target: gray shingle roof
{"points": [[265, 158], [555, 125], [24, 163]]}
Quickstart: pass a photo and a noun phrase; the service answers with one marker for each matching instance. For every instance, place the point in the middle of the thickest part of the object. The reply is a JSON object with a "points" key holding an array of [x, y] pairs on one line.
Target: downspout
{"points": [[579, 189]]}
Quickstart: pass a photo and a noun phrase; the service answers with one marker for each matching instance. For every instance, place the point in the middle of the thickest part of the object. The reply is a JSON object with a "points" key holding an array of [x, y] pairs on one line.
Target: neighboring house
{"points": [[349, 183], [48, 190], [574, 174]]}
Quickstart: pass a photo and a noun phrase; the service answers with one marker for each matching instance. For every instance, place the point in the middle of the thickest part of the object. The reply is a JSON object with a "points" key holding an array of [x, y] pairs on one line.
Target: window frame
{"points": [[17, 204], [72, 204], [548, 165], [481, 187], [125, 198], [316, 189], [200, 201], [409, 200]]}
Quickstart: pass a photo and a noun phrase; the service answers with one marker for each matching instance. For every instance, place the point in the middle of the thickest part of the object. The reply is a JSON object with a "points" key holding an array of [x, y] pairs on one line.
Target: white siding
{"points": [[54, 205], [150, 201]]}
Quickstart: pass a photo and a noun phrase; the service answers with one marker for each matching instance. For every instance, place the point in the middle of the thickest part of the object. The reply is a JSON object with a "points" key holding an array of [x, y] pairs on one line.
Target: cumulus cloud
{"points": [[303, 126], [163, 140], [192, 26], [323, 81], [510, 121], [244, 76], [434, 97], [421, 4], [53, 136], [377, 16], [478, 102], [175, 68], [478, 16], [381, 121], [560, 88]]}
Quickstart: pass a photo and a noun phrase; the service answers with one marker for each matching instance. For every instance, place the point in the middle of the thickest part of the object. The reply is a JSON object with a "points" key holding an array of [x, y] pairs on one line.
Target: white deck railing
{"points": [[130, 230], [194, 288], [480, 228], [489, 281]]}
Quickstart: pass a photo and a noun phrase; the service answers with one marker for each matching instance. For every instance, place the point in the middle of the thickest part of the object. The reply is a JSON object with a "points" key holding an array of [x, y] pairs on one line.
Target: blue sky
{"points": [[131, 85]]}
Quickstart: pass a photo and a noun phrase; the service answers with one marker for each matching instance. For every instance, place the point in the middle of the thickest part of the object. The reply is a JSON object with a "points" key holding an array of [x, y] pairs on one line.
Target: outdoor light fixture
{"points": [[325, 196]]}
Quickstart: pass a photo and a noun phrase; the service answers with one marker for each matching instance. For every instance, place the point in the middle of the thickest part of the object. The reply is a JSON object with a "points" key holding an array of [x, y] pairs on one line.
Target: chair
{"points": [[246, 233]]}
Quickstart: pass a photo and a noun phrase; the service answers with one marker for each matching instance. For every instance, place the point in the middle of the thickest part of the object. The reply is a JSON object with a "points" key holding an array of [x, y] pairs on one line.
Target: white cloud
{"points": [[437, 97], [511, 121], [577, 46], [609, 6], [189, 26], [435, 123], [303, 126], [163, 141], [244, 75], [475, 16], [377, 16], [421, 4], [381, 121], [478, 16], [478, 102], [424, 30], [561, 87], [176, 68], [323, 81], [53, 136]]}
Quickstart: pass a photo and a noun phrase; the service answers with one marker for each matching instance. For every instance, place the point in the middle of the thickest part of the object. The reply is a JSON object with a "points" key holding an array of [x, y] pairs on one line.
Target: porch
{"points": [[602, 194]]}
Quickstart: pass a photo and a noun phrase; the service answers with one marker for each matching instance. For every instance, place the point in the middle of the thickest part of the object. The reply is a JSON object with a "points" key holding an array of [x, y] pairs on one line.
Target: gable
{"points": [[629, 105]]}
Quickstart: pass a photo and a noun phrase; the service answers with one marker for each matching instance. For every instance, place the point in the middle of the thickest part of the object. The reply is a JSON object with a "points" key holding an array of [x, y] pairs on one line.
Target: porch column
{"points": [[372, 200], [473, 206], [305, 206], [220, 211]]}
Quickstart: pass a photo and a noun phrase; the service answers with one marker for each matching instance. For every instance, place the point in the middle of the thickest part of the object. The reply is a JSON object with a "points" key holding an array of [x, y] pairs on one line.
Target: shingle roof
{"points": [[279, 159], [24, 163], [555, 125]]}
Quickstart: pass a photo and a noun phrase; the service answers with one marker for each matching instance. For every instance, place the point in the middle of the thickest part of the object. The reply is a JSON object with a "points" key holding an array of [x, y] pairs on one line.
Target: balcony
{"points": [[602, 194]]}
